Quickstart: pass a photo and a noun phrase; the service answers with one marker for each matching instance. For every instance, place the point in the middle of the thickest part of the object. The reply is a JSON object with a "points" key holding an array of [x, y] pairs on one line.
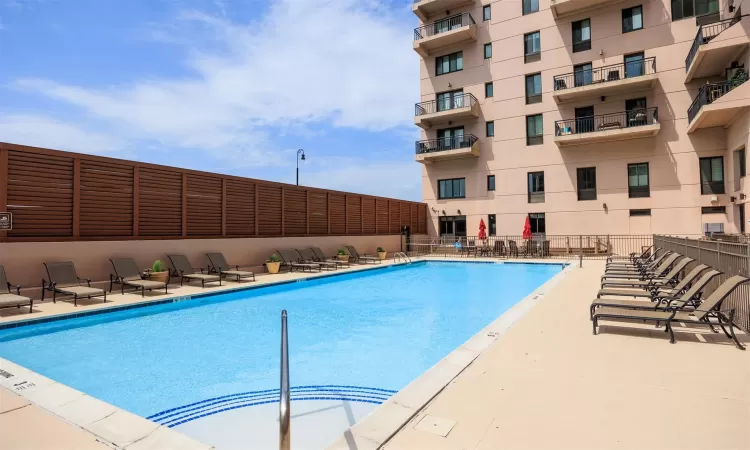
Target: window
{"points": [[536, 187], [451, 138], [455, 188], [635, 110], [532, 47], [690, 8], [537, 223], [638, 180], [488, 51], [640, 212], [714, 210], [582, 74], [534, 132], [490, 182], [740, 163], [489, 90], [490, 128], [634, 66], [581, 35], [530, 6], [533, 88], [712, 175], [450, 100], [586, 183], [449, 63], [487, 12], [632, 19], [492, 225]]}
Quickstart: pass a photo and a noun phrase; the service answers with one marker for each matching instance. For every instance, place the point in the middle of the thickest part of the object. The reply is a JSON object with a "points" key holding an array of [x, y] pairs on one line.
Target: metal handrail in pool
{"points": [[284, 419]]}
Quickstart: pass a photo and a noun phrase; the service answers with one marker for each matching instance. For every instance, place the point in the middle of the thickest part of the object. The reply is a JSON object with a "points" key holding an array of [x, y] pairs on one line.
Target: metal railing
{"points": [[446, 143], [443, 26], [606, 74], [284, 411], [705, 33], [731, 258], [605, 122], [712, 92], [453, 102]]}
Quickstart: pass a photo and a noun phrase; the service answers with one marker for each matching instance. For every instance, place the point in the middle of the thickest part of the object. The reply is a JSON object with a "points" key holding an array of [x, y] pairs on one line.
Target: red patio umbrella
{"points": [[482, 230], [527, 229]]}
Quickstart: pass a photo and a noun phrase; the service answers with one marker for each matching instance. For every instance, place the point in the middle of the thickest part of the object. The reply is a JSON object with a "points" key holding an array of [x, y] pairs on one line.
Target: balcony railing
{"points": [[456, 101], [712, 92], [705, 34], [444, 144], [443, 26], [607, 122], [605, 74]]}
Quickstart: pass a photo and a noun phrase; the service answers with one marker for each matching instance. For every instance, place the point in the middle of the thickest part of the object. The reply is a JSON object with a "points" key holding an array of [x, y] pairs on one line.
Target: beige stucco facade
{"points": [[668, 143]]}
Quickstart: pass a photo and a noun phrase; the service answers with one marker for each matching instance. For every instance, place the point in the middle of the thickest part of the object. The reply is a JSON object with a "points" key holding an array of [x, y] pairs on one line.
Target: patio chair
{"points": [[358, 258], [643, 274], [7, 298], [512, 249], [691, 297], [684, 284], [64, 279], [321, 257], [650, 262], [499, 248], [632, 257], [292, 260], [218, 264], [182, 268], [709, 309], [127, 273], [308, 256], [652, 281]]}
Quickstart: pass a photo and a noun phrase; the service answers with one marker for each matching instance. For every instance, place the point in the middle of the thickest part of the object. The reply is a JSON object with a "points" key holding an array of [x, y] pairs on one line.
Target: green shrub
{"points": [[157, 267], [380, 249], [342, 251], [274, 258]]}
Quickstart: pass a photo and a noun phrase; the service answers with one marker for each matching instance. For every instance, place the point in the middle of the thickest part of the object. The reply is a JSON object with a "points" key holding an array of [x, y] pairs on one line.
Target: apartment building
{"points": [[587, 116]]}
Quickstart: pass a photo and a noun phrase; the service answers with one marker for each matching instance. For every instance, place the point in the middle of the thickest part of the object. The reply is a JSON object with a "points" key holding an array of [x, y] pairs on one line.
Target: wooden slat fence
{"points": [[62, 196]]}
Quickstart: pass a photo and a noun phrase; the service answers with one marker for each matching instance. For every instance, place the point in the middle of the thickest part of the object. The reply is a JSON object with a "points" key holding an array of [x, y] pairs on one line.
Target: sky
{"points": [[227, 86]]}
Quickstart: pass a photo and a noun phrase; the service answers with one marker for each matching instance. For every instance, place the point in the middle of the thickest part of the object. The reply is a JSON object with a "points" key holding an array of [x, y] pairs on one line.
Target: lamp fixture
{"points": [[459, 212]]}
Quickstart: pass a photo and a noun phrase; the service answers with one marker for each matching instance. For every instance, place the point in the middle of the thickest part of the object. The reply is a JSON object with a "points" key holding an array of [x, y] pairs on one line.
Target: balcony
{"points": [[434, 112], [425, 8], [565, 8], [450, 31], [608, 80], [442, 149], [715, 46], [633, 124], [718, 104]]}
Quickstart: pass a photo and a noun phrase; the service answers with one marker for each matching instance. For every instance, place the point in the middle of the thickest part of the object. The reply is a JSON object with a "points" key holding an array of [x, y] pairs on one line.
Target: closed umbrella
{"points": [[482, 230], [527, 229]]}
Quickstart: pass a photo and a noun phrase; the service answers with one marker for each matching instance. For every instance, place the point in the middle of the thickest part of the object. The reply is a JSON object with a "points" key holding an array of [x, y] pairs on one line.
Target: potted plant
{"points": [[343, 256], [382, 253], [273, 264], [159, 272]]}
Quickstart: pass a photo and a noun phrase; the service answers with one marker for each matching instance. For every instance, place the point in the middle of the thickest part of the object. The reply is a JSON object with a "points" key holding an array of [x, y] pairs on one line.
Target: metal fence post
{"points": [[747, 261], [580, 250]]}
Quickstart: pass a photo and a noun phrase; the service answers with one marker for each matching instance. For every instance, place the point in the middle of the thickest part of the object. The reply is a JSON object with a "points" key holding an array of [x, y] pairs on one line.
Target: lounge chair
{"points": [[632, 257], [684, 284], [218, 264], [321, 257], [512, 249], [182, 268], [649, 263], [127, 273], [691, 297], [64, 279], [307, 256], [652, 281], [499, 248], [292, 260], [642, 275], [709, 309], [7, 298], [359, 258]]}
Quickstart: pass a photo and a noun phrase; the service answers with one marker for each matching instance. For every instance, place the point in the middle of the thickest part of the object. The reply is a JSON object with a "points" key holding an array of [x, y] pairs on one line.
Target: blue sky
{"points": [[226, 86]]}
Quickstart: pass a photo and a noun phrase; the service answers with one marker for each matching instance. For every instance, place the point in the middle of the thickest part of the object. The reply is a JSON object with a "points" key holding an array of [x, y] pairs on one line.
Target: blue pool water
{"points": [[361, 336]]}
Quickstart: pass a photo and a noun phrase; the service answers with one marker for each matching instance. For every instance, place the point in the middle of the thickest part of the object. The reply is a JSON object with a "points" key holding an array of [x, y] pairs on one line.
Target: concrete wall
{"points": [[672, 155], [23, 261]]}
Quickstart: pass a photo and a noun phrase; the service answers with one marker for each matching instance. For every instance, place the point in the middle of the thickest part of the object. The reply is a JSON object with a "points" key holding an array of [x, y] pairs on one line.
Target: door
{"points": [[451, 138], [636, 113], [450, 100], [582, 74], [453, 226], [742, 218], [585, 119], [634, 65]]}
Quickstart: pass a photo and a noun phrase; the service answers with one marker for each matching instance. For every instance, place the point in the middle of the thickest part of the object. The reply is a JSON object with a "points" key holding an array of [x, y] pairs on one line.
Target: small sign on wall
{"points": [[6, 221]]}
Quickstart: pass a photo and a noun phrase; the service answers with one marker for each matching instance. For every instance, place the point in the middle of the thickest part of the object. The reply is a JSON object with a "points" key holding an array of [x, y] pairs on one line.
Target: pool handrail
{"points": [[284, 412]]}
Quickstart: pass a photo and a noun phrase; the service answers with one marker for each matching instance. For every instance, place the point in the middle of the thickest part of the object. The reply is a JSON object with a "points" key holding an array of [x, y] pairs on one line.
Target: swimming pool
{"points": [[355, 338]]}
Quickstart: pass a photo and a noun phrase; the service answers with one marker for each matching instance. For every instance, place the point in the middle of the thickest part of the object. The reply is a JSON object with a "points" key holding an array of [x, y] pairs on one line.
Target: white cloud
{"points": [[40, 131]]}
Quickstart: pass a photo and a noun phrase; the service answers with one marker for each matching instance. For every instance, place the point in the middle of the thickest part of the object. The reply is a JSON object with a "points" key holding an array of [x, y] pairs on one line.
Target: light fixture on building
{"points": [[459, 212], [604, 205], [742, 196], [444, 213], [732, 199], [449, 84]]}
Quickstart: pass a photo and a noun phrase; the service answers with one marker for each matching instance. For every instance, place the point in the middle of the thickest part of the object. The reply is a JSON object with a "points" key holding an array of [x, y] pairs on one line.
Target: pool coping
{"points": [[375, 430]]}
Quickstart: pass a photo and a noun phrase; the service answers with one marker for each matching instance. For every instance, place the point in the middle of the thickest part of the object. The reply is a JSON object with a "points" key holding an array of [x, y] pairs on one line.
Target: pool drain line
{"points": [[284, 414]]}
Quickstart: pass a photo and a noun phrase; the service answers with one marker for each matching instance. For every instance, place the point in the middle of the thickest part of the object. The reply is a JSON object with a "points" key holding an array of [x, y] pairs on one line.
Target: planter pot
{"points": [[344, 258], [273, 266], [382, 255], [161, 277]]}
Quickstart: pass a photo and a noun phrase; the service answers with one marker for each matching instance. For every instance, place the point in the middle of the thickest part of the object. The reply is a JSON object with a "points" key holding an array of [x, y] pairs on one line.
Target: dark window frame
{"points": [[627, 14], [535, 219], [530, 9], [531, 56], [486, 13], [639, 191], [713, 209], [583, 44], [586, 193], [536, 139], [742, 162], [491, 90], [640, 212], [715, 187], [490, 183], [487, 125], [534, 98], [439, 63], [693, 11], [491, 224], [452, 180], [488, 46], [535, 187]]}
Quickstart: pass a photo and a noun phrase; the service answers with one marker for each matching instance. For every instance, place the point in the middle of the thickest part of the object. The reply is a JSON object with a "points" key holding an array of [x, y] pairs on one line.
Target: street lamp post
{"points": [[299, 152]]}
